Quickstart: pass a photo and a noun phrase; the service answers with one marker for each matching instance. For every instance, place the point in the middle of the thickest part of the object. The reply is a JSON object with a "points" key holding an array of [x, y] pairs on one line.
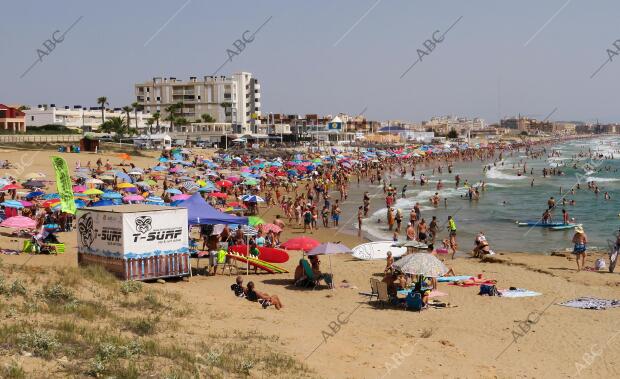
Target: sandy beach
{"points": [[339, 334]]}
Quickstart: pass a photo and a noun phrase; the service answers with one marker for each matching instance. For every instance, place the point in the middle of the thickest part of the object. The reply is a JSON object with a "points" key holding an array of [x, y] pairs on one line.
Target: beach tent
{"points": [[201, 213]]}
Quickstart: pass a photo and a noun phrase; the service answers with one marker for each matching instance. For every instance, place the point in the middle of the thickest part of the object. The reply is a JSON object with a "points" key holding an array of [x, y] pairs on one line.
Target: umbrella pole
{"points": [[331, 271], [247, 257]]}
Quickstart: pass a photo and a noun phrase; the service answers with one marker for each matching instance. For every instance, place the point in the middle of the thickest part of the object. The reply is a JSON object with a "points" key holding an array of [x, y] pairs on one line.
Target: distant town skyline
{"points": [[482, 59]]}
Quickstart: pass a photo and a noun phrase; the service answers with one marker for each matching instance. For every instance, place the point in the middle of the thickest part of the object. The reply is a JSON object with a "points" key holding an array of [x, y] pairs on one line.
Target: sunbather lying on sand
{"points": [[262, 297], [238, 288]]}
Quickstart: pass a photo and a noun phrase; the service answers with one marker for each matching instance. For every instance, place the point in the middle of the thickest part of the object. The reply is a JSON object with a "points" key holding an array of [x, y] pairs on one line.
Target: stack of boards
{"points": [[377, 250], [254, 262], [266, 258]]}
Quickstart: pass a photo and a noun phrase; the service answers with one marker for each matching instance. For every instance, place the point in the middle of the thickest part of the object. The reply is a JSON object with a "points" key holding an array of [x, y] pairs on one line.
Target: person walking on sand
{"points": [[452, 234], [580, 240]]}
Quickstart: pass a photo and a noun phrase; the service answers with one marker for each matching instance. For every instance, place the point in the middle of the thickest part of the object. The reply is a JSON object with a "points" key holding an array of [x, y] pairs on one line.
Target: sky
{"points": [[499, 58]]}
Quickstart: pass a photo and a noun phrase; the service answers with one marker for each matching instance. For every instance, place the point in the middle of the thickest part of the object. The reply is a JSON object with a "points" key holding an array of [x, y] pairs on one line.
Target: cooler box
{"points": [[135, 242]]}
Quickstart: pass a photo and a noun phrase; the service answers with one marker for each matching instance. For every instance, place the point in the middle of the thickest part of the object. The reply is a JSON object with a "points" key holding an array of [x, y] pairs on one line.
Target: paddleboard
{"points": [[563, 227], [540, 224], [377, 250], [267, 254]]}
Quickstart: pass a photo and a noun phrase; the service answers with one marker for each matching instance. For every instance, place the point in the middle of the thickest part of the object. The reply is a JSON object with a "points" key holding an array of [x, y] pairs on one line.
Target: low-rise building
{"points": [[12, 119]]}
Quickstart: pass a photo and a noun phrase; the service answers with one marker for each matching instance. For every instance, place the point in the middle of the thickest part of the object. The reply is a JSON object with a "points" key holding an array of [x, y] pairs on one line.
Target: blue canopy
{"points": [[201, 213], [102, 203]]}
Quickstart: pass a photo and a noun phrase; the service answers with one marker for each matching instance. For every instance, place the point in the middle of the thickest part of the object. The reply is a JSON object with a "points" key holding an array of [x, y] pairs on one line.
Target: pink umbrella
{"points": [[79, 188], [19, 222], [271, 228], [133, 198], [234, 179], [26, 203], [182, 196]]}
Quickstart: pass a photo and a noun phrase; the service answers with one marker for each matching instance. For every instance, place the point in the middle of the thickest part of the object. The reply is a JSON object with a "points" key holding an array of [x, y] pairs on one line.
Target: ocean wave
{"points": [[596, 179], [494, 173]]}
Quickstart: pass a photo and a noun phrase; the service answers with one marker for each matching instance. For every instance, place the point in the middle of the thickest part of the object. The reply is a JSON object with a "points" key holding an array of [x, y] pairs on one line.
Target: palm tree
{"points": [[103, 101], [127, 109], [113, 125], [207, 117], [136, 107], [156, 116], [172, 110]]}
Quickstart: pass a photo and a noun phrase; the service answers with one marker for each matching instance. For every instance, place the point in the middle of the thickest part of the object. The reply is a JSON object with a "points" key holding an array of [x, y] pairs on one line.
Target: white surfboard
{"points": [[377, 250]]}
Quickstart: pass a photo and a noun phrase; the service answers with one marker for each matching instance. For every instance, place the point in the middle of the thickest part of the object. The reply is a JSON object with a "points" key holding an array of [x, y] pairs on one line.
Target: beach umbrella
{"points": [[174, 191], [34, 194], [250, 182], [102, 203], [219, 195], [19, 222], [103, 177], [252, 199], [155, 200], [271, 228], [421, 264], [206, 189], [51, 202], [125, 185], [94, 181], [163, 159], [300, 243], [124, 177], [255, 220], [190, 186], [182, 196], [26, 203], [111, 195], [159, 168], [133, 198], [79, 188], [224, 183], [33, 184], [234, 179], [12, 204], [93, 191], [150, 182], [50, 196], [10, 187]]}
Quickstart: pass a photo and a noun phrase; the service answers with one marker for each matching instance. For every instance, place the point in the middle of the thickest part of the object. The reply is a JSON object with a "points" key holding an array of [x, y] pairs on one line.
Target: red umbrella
{"points": [[11, 186], [220, 195], [300, 243], [224, 183]]}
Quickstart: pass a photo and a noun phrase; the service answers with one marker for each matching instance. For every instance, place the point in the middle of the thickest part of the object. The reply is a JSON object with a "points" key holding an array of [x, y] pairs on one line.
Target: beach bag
{"points": [[490, 290], [414, 301], [599, 264]]}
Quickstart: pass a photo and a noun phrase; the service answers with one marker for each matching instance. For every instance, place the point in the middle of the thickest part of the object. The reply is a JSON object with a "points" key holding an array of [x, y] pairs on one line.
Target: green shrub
{"points": [[40, 342], [58, 294], [131, 287]]}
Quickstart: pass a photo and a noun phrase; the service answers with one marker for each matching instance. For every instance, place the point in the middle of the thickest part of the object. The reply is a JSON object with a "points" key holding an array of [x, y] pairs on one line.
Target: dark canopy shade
{"points": [[201, 213]]}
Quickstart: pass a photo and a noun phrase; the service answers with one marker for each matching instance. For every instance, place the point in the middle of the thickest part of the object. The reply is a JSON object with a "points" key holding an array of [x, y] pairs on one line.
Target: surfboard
{"points": [[540, 224], [267, 254], [251, 263], [377, 250], [563, 227]]}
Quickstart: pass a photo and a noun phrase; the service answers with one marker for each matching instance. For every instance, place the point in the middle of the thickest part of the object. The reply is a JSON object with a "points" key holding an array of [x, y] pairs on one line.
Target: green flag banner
{"points": [[63, 185]]}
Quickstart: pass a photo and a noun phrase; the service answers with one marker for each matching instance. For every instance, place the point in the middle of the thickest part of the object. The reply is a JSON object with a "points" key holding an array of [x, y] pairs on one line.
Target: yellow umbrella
{"points": [[93, 191], [125, 185], [201, 182]]}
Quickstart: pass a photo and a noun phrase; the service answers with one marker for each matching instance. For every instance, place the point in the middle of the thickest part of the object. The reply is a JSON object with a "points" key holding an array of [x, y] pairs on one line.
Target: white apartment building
{"points": [[79, 117], [206, 96]]}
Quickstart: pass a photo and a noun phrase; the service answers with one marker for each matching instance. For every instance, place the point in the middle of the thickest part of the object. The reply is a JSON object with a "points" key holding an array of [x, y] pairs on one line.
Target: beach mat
{"points": [[444, 279], [519, 292], [591, 303]]}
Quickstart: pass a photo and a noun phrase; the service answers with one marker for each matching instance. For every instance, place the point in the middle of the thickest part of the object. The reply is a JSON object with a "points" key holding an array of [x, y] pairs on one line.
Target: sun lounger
{"points": [[373, 289]]}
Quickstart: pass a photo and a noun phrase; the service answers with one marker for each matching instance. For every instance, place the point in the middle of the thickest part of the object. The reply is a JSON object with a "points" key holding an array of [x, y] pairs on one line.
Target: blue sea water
{"points": [[509, 198]]}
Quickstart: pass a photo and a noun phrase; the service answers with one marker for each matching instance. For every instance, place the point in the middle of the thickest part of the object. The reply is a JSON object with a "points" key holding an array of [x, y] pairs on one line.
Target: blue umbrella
{"points": [[51, 196], [159, 168], [12, 204], [123, 176], [174, 191], [111, 195], [163, 160], [32, 195], [102, 203]]}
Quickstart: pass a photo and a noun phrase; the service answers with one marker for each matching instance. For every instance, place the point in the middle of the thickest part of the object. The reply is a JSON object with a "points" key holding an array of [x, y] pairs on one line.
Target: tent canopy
{"points": [[201, 213]]}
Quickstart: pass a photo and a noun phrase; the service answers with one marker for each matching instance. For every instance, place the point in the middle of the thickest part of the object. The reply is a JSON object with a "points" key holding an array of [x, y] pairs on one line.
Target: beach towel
{"points": [[453, 278], [477, 282], [519, 292], [591, 303]]}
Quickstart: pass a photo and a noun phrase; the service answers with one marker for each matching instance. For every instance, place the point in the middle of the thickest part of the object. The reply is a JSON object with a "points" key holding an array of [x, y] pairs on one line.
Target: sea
{"points": [[510, 198]]}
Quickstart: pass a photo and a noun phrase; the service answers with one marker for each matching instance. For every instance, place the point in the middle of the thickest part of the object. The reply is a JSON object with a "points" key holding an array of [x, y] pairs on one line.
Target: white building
{"points": [[206, 96], [78, 117]]}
